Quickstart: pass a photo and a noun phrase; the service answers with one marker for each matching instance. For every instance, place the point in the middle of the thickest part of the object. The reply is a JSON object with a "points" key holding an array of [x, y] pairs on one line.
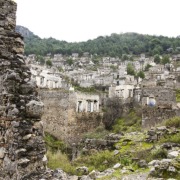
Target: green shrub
{"points": [[98, 133], [53, 143], [173, 122], [99, 161], [178, 95], [125, 161], [171, 138], [159, 154], [86, 89], [143, 151], [60, 160], [128, 123]]}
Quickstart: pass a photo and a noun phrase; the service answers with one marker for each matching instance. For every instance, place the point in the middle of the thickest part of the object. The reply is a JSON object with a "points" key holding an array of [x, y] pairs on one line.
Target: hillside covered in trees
{"points": [[114, 45]]}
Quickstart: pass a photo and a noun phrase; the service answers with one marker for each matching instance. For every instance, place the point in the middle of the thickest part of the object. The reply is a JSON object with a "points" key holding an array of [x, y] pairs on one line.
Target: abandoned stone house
{"points": [[45, 79], [158, 104], [121, 91], [122, 80], [109, 61], [160, 76], [176, 57], [75, 56], [122, 70], [58, 60], [91, 79], [160, 95], [87, 102], [69, 114]]}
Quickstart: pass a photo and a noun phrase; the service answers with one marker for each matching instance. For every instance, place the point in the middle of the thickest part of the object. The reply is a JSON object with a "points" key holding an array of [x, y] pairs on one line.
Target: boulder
{"points": [[173, 154], [60, 174], [142, 163], [154, 162]]}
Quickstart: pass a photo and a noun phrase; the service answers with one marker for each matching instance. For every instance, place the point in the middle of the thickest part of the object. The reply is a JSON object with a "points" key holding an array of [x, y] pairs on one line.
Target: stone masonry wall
{"points": [[152, 116], [163, 109], [161, 94], [22, 147], [61, 119]]}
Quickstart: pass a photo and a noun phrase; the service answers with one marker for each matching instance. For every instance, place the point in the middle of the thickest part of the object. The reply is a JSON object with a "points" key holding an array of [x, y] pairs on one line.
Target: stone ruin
{"points": [[22, 148], [158, 104]]}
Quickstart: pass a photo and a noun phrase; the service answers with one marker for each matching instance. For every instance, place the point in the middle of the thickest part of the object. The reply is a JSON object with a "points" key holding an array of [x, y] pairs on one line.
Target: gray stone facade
{"points": [[64, 116]]}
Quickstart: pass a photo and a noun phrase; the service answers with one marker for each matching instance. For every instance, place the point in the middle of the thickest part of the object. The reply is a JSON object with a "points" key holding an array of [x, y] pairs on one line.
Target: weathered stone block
{"points": [[34, 109], [2, 152]]}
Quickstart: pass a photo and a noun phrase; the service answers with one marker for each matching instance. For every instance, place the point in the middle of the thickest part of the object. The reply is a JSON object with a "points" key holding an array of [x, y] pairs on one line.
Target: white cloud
{"points": [[78, 20]]}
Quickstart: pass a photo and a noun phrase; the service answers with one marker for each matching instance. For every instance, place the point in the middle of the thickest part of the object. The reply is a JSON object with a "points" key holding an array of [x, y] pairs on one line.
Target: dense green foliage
{"points": [[128, 123], [53, 143], [173, 122], [147, 67], [159, 153], [178, 95], [98, 133], [171, 138], [141, 74], [165, 59], [60, 160], [49, 63], [115, 45], [157, 59], [130, 69]]}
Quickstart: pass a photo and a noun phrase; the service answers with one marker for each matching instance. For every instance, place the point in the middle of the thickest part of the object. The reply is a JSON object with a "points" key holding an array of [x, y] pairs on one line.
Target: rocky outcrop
{"points": [[22, 148], [25, 32], [154, 134], [164, 168]]}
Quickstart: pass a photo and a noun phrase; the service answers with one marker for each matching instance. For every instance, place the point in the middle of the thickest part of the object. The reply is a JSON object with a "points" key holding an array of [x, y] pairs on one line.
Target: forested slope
{"points": [[113, 45]]}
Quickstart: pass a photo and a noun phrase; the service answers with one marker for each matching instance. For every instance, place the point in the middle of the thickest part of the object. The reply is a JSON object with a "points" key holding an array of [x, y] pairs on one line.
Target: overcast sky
{"points": [[80, 20]]}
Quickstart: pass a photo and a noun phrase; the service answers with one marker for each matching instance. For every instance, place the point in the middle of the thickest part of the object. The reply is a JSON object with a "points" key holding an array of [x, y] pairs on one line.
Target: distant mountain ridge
{"points": [[114, 45], [25, 32]]}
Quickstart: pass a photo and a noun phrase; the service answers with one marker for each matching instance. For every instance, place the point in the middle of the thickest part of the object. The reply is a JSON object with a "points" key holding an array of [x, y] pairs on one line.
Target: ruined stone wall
{"points": [[60, 117], [164, 108], [22, 147], [161, 94], [152, 116]]}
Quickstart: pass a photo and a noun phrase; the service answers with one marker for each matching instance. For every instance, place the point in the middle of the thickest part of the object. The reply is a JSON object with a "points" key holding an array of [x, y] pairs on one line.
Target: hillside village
{"points": [[86, 116], [89, 85], [85, 88], [111, 74]]}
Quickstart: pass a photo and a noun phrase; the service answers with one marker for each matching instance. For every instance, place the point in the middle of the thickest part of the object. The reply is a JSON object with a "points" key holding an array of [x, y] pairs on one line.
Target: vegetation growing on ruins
{"points": [[53, 144], [177, 95], [128, 123], [130, 148], [60, 160], [173, 122], [98, 133]]}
